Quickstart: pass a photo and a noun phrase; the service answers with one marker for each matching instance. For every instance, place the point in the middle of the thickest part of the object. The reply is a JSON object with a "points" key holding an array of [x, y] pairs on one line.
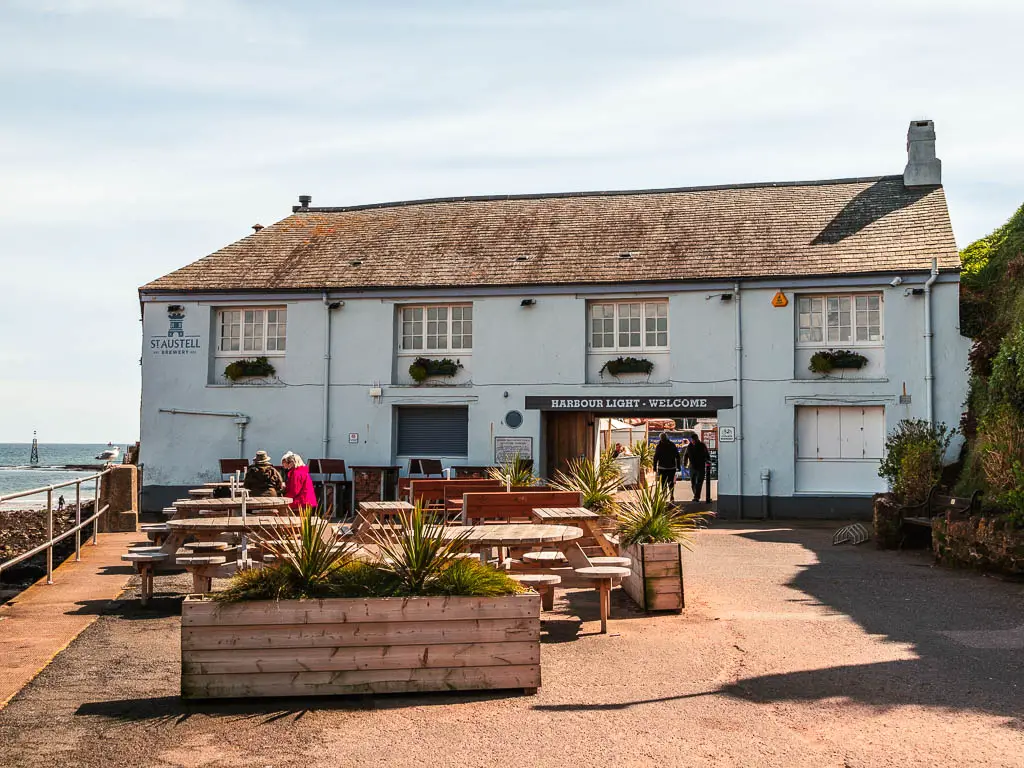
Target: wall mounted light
{"points": [[528, 302], [725, 297]]}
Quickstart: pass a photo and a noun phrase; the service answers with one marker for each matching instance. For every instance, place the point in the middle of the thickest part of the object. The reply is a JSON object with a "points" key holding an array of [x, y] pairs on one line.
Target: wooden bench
{"points": [[917, 516], [144, 562], [514, 507], [544, 584], [436, 494]]}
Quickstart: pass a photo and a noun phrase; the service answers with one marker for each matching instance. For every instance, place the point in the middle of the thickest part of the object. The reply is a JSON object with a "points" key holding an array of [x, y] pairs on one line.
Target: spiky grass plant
{"points": [[418, 551], [466, 576], [308, 556], [644, 451], [597, 483], [651, 517], [514, 473]]}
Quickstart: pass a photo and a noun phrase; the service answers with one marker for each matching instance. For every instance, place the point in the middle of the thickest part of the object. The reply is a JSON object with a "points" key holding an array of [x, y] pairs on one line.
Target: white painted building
{"points": [[728, 292]]}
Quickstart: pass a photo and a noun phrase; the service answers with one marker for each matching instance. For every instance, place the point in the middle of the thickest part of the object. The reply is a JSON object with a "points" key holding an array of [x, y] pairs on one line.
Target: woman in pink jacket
{"points": [[299, 486]]}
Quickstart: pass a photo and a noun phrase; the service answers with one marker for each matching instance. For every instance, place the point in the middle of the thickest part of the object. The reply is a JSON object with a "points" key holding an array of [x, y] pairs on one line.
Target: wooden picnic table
{"points": [[480, 538], [377, 512], [581, 517], [217, 484], [192, 507]]}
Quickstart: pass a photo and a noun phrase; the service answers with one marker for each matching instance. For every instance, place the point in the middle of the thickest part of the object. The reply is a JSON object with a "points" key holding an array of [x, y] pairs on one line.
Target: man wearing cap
{"points": [[261, 479]]}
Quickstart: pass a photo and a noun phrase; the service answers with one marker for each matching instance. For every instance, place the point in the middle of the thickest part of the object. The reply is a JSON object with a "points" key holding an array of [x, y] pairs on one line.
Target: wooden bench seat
{"points": [[915, 517], [544, 584], [144, 563], [604, 576]]}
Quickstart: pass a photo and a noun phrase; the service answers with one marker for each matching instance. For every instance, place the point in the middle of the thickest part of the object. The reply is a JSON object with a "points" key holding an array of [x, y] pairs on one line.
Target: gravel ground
{"points": [[791, 653]]}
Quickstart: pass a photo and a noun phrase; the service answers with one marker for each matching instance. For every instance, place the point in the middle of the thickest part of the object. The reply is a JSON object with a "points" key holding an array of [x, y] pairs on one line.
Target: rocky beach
{"points": [[23, 529]]}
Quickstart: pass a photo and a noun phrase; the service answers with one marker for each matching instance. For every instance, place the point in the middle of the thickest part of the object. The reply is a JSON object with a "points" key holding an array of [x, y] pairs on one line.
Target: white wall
{"points": [[538, 350]]}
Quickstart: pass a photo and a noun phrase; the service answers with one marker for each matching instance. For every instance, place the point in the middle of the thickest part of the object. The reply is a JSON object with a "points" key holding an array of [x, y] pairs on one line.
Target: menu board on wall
{"points": [[507, 448]]}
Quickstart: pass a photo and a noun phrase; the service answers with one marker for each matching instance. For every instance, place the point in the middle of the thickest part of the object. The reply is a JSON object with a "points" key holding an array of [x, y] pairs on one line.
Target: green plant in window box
{"points": [[423, 368], [831, 359], [241, 369], [627, 365]]}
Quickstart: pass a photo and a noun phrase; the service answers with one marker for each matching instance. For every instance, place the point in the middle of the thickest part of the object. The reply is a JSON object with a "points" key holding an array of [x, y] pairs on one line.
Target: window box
{"points": [[622, 365], [249, 369], [423, 368], [826, 361]]}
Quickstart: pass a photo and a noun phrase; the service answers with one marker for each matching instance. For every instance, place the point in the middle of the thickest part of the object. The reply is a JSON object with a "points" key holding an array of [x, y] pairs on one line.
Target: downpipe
{"points": [[929, 373], [766, 478], [739, 398], [241, 420], [328, 307]]}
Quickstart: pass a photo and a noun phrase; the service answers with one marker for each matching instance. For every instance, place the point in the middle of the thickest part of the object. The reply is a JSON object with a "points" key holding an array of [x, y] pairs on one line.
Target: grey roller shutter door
{"points": [[433, 431]]}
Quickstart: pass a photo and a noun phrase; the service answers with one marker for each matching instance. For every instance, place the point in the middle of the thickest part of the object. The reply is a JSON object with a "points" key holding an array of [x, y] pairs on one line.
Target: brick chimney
{"points": [[923, 168]]}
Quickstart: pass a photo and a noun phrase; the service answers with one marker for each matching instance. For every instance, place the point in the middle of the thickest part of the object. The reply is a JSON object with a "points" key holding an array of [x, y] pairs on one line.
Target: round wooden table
{"points": [[233, 524], [256, 504], [512, 534]]}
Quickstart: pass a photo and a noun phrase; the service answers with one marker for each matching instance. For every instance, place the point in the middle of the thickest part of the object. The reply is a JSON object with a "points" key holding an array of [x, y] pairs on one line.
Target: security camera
{"points": [[896, 281]]}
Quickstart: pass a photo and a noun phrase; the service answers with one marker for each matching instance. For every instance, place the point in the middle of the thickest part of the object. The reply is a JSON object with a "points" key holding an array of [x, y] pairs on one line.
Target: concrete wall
{"points": [[537, 350]]}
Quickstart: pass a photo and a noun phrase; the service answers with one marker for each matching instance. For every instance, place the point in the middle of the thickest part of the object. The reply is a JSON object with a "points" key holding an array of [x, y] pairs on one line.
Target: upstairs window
{"points": [[252, 330], [850, 320], [437, 328], [629, 326]]}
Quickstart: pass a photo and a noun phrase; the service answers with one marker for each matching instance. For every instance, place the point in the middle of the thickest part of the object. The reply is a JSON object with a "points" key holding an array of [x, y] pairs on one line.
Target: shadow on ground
{"points": [[968, 631], [176, 710]]}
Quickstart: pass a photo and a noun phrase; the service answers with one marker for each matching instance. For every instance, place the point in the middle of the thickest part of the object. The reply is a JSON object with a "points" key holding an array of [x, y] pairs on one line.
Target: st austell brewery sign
{"points": [[176, 342]]}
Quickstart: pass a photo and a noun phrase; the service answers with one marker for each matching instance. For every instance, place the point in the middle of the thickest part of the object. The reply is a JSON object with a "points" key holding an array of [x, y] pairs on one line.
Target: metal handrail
{"points": [[79, 522]]}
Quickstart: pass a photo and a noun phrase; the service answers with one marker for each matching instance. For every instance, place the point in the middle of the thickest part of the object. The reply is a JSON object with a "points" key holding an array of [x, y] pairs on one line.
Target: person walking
{"points": [[696, 458], [299, 485], [261, 479], [666, 462]]}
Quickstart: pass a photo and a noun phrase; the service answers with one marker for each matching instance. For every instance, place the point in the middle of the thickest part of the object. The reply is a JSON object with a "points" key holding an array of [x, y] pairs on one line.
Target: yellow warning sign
{"points": [[780, 300]]}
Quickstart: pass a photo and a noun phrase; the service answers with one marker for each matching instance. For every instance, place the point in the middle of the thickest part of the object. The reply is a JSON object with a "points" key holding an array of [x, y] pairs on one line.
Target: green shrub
{"points": [[1006, 384], [914, 453]]}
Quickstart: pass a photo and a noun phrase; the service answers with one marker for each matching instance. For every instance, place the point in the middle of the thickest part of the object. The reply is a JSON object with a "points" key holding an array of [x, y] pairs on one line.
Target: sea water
{"points": [[16, 474]]}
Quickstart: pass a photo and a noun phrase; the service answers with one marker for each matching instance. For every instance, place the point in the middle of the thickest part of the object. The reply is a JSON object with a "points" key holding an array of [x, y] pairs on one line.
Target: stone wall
{"points": [[985, 543], [888, 533]]}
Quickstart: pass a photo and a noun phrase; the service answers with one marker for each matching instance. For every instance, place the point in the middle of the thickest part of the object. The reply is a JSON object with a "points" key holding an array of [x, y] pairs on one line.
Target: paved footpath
{"points": [[43, 620], [791, 653]]}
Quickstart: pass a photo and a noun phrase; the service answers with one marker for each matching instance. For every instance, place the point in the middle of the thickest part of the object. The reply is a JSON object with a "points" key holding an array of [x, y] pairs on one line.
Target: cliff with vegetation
{"points": [[992, 314]]}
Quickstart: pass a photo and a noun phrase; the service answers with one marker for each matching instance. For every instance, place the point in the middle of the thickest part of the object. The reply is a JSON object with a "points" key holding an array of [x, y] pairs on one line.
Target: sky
{"points": [[137, 136]]}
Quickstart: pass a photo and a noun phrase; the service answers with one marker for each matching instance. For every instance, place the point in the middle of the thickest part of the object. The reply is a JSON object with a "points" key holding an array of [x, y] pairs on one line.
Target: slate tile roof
{"points": [[852, 226]]}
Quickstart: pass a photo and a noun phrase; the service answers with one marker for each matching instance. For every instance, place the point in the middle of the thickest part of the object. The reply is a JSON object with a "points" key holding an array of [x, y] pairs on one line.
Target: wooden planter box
{"points": [[346, 646], [656, 581]]}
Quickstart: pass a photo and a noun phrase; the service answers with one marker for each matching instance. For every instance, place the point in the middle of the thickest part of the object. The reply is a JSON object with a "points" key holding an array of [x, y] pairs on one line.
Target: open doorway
{"points": [[569, 435]]}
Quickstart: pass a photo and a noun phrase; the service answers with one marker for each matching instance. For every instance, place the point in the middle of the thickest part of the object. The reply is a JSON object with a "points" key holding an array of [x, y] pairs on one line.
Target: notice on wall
{"points": [[506, 448], [353, 437], [727, 434]]}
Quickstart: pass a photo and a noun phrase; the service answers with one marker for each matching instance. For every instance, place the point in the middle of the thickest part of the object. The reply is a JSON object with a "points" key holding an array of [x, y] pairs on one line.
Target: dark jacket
{"points": [[666, 455], [696, 456], [263, 480]]}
